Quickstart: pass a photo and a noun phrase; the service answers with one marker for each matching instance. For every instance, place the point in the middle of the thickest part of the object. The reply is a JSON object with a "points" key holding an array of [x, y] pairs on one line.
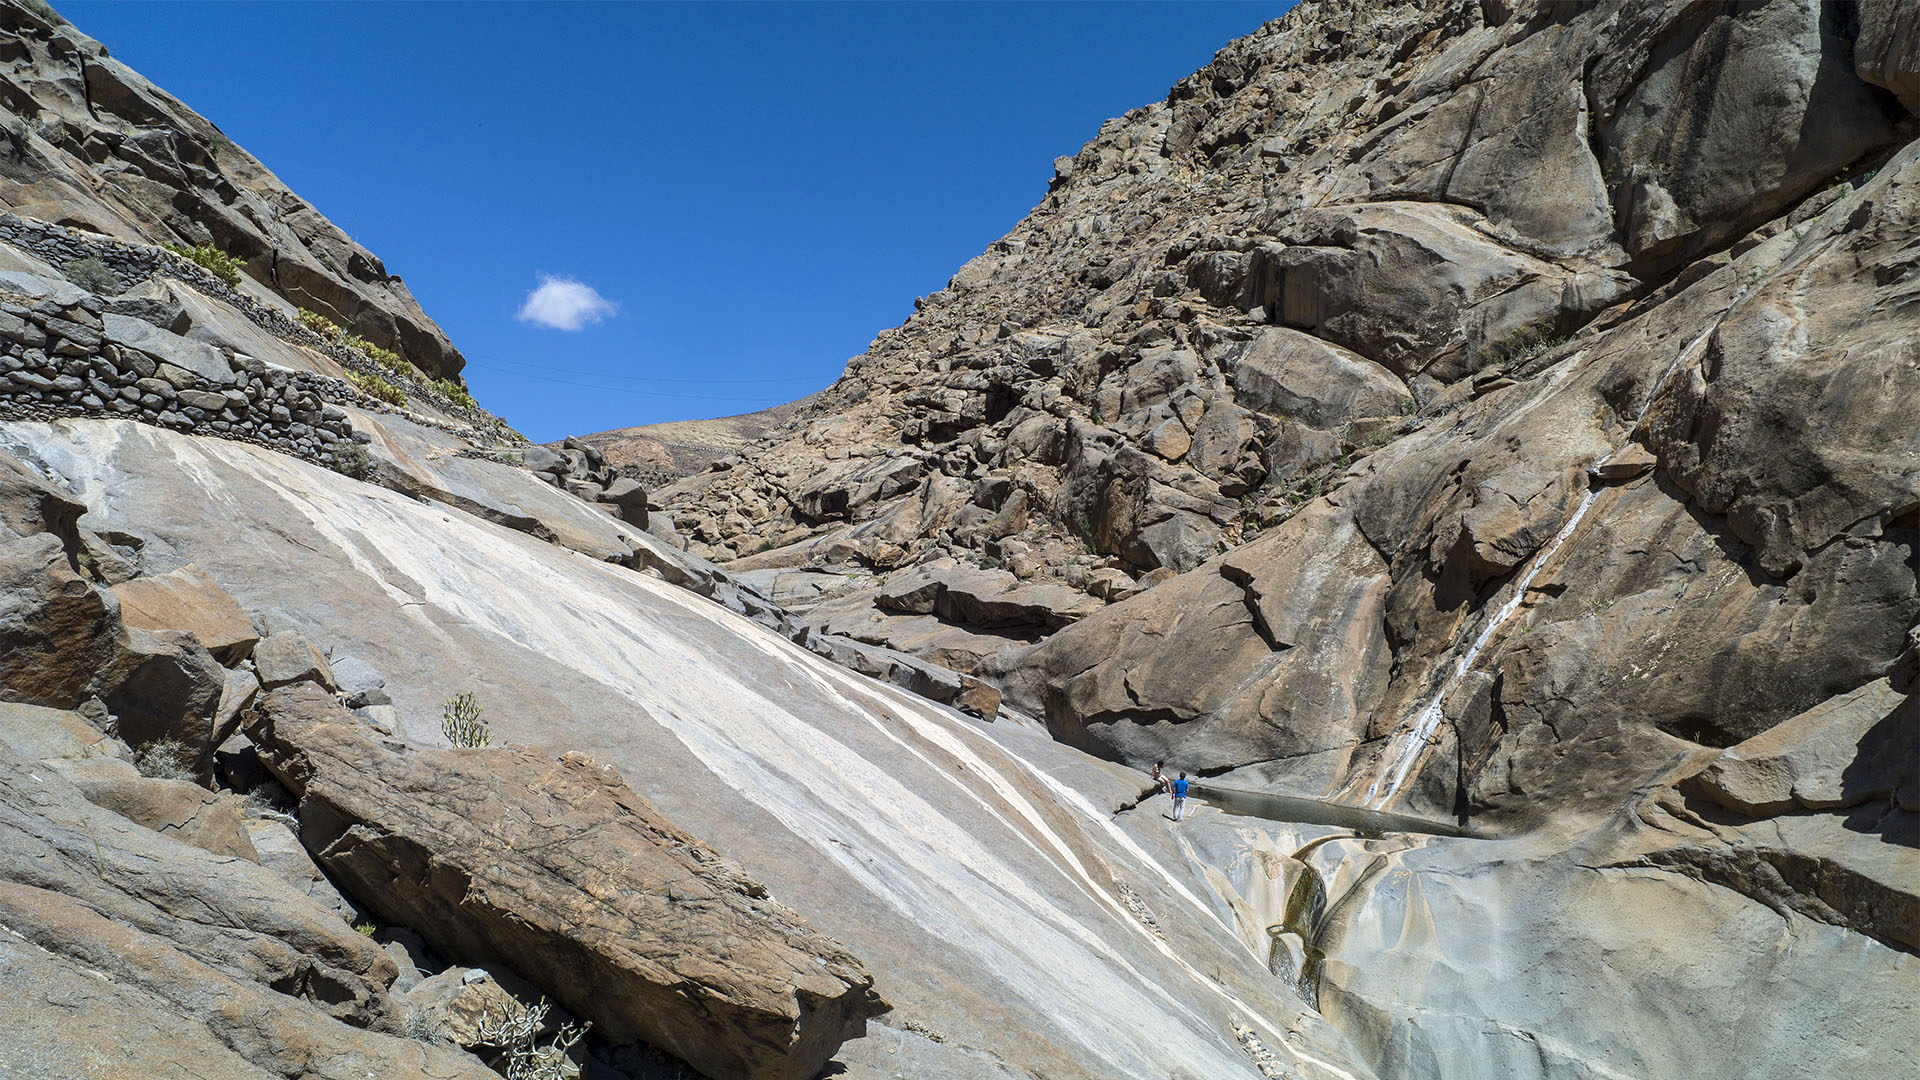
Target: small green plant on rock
{"points": [[460, 722], [164, 759], [365, 928], [319, 324], [384, 358], [455, 393], [213, 260], [93, 275], [422, 1026], [377, 388], [352, 460], [1523, 345]]}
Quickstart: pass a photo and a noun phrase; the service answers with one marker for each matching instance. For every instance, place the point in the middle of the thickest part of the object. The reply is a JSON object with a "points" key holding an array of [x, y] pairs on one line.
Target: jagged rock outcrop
{"points": [[93, 145], [1337, 269], [562, 871], [1358, 214]]}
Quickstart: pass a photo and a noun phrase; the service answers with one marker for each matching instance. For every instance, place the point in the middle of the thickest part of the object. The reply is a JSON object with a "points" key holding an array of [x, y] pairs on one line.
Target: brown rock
{"points": [[56, 629], [189, 599], [165, 685], [288, 657], [225, 913], [487, 854], [187, 812]]}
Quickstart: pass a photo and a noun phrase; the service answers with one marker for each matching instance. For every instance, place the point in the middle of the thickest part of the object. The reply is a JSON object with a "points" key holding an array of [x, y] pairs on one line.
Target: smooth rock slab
{"points": [[563, 872]]}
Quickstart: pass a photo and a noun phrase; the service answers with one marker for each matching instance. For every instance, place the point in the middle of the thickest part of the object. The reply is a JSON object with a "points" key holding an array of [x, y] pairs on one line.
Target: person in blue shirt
{"points": [[1179, 788]]}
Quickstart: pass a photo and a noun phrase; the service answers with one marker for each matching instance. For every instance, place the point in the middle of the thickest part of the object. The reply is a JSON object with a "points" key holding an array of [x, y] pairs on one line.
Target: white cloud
{"points": [[565, 304]]}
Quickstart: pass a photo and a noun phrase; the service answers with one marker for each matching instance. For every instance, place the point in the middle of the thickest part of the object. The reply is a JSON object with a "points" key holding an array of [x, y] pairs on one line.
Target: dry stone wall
{"points": [[70, 351], [67, 355], [133, 263]]}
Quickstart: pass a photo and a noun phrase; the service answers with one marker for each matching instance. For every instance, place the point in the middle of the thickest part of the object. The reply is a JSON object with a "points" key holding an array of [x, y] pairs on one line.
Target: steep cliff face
{"points": [[92, 145], [1347, 331], [1499, 412]]}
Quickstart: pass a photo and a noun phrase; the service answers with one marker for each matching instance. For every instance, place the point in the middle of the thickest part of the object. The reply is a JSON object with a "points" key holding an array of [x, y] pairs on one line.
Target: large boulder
{"points": [[165, 685], [1286, 373], [1860, 747], [1271, 656], [489, 854], [188, 598], [56, 629], [286, 656], [991, 599], [224, 913], [1887, 51]]}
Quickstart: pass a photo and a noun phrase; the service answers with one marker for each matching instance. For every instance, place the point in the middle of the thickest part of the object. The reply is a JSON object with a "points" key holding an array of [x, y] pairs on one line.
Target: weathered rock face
{"points": [[224, 913], [187, 599], [975, 869], [487, 852], [95, 146], [1358, 213]]}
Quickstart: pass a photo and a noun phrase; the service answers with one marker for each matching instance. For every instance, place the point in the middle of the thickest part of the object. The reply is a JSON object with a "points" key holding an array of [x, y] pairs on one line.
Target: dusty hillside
{"points": [[659, 454]]}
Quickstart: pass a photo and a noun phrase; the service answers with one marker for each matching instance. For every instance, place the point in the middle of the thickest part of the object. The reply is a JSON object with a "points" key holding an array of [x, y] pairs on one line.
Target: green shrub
{"points": [[378, 388], [386, 359], [460, 722], [1523, 345], [93, 275], [319, 324], [213, 260], [164, 759], [351, 459], [366, 929], [455, 393]]}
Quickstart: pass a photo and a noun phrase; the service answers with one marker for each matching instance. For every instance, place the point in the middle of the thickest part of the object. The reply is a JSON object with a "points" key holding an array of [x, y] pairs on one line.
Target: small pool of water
{"points": [[1291, 808]]}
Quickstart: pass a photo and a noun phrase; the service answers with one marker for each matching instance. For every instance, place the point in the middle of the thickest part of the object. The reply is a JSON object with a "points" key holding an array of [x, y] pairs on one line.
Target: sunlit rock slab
{"points": [[975, 869]]}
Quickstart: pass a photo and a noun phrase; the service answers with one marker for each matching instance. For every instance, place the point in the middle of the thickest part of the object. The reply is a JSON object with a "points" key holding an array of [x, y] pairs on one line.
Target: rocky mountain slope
{"points": [[93, 145], [1496, 411], [1637, 608], [1536, 363], [659, 454]]}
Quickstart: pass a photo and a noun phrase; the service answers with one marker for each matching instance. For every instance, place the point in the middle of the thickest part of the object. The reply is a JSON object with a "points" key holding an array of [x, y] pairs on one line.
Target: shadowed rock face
{"points": [[562, 871], [93, 145]]}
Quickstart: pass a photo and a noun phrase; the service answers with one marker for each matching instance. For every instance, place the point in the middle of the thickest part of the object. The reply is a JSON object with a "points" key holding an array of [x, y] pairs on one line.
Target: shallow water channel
{"points": [[1291, 808]]}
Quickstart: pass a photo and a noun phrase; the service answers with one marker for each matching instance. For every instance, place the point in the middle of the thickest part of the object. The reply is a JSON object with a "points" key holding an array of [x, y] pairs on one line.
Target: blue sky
{"points": [[756, 189]]}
